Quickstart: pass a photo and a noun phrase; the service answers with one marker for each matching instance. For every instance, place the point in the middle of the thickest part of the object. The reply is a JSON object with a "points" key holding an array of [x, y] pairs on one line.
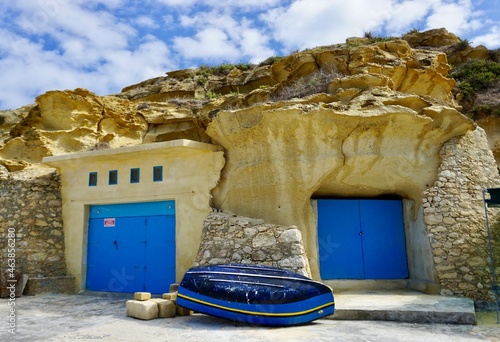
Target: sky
{"points": [[106, 45]]}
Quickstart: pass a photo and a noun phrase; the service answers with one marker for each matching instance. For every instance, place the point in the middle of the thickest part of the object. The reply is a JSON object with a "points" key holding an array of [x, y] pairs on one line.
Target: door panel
{"points": [[340, 248], [383, 236], [160, 253], [131, 252], [361, 239]]}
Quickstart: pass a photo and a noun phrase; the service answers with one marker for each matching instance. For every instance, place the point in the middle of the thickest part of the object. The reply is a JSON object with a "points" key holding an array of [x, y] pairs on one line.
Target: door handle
{"points": [[116, 244]]}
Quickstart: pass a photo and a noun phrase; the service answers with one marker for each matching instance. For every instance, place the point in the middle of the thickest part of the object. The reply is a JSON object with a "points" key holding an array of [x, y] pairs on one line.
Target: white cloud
{"points": [[308, 23], [250, 5], [102, 45], [405, 15], [145, 21], [491, 39], [89, 49], [223, 38], [255, 45], [457, 17], [210, 44]]}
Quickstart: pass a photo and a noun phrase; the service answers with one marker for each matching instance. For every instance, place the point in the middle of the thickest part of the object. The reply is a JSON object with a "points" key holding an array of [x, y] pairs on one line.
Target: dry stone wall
{"points": [[228, 238], [455, 220], [30, 205]]}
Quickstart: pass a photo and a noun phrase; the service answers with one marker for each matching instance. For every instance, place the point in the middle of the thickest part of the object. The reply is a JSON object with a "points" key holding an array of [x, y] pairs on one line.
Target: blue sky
{"points": [[106, 45]]}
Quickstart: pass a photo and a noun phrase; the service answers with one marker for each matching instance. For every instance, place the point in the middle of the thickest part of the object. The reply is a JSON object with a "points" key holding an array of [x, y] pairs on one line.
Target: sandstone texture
{"points": [[30, 206], [362, 119], [142, 295], [454, 216], [140, 309], [228, 238], [166, 308]]}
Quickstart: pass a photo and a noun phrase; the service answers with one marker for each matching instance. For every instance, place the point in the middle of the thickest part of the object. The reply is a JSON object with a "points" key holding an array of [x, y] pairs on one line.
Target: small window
{"points": [[113, 177], [157, 173], [135, 175], [92, 178]]}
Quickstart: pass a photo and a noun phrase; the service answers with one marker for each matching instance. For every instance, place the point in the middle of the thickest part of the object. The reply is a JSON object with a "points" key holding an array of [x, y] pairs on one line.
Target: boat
{"points": [[255, 294]]}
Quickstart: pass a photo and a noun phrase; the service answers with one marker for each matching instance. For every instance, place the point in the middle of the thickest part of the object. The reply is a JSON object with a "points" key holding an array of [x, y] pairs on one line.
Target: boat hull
{"points": [[255, 294]]}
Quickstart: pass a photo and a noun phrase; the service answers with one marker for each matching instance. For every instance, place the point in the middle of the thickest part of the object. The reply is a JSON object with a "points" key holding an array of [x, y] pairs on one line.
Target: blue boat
{"points": [[255, 294]]}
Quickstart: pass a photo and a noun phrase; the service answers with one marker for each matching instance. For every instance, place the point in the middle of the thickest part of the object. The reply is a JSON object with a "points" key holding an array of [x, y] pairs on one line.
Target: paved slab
{"points": [[403, 306]]}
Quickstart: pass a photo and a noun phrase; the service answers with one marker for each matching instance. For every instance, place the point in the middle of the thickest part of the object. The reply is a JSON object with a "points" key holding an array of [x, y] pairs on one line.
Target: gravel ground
{"points": [[102, 318]]}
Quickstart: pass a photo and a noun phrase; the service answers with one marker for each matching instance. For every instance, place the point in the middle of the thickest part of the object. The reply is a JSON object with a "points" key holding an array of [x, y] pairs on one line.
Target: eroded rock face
{"points": [[71, 121], [435, 38], [491, 125], [347, 120], [168, 108], [280, 155]]}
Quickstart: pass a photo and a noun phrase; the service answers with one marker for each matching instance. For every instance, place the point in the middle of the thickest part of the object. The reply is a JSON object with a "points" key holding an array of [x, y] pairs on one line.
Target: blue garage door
{"points": [[131, 247], [361, 239]]}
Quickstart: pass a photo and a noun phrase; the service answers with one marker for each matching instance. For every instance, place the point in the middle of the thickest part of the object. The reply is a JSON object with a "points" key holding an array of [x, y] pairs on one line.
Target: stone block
{"points": [[173, 287], [166, 308], [170, 296], [142, 296], [181, 311], [142, 309]]}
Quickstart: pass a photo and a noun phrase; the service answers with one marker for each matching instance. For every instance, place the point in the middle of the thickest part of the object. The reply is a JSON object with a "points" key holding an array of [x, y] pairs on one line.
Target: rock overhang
{"points": [[376, 145]]}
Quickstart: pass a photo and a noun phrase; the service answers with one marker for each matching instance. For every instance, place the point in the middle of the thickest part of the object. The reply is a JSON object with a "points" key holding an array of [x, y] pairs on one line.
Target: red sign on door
{"points": [[109, 222]]}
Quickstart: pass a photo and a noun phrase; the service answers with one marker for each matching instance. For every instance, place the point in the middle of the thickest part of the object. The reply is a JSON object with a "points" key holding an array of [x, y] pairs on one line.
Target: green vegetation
{"points": [[205, 71], [376, 39], [494, 55], [223, 69], [270, 60], [462, 45], [485, 110], [317, 82], [413, 30], [476, 75]]}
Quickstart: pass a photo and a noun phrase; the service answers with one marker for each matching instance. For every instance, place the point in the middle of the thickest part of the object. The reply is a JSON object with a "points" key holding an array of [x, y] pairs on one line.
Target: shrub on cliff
{"points": [[476, 75], [317, 82]]}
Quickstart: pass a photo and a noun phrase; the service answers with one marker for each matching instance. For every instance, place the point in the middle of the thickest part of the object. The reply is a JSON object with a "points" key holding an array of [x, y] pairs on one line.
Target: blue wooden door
{"points": [[361, 239], [338, 245], [384, 244], [131, 247]]}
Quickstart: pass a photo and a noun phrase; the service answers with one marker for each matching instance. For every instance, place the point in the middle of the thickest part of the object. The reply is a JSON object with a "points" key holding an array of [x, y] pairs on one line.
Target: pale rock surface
{"points": [[71, 121], [145, 310], [377, 144], [166, 308], [435, 37], [142, 295]]}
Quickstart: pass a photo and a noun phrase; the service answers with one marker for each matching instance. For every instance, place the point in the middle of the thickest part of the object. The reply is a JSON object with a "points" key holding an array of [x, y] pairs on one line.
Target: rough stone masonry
{"points": [[455, 220], [227, 238], [30, 204]]}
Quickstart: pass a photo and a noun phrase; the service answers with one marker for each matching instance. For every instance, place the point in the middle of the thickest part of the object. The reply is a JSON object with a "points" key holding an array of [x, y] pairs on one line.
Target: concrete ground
{"points": [[92, 317]]}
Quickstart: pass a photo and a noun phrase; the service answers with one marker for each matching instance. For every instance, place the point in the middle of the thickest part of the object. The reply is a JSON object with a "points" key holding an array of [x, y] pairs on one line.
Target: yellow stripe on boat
{"points": [[285, 314]]}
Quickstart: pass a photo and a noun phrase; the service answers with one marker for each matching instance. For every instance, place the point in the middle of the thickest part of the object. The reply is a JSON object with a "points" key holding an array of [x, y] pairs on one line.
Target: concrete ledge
{"points": [[63, 284], [403, 306], [342, 285]]}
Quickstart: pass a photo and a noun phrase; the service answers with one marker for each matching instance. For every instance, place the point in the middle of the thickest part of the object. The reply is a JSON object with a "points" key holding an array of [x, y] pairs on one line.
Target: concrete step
{"points": [[403, 306]]}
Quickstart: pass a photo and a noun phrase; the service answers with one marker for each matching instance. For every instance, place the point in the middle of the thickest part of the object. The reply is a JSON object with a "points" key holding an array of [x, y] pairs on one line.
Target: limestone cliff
{"points": [[369, 118], [184, 103]]}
